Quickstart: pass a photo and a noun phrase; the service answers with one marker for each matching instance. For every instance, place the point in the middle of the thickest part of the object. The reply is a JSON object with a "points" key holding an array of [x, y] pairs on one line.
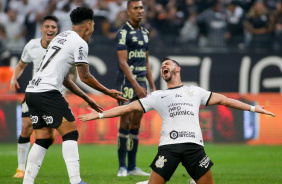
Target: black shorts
{"points": [[192, 156], [128, 90], [48, 109], [25, 109]]}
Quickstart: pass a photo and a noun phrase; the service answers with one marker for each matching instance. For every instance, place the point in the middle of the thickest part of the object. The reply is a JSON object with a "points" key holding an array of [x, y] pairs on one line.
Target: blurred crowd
{"points": [[192, 23]]}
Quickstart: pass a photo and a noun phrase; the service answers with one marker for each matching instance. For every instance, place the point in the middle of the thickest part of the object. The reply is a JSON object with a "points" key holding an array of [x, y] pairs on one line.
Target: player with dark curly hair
{"points": [[48, 108]]}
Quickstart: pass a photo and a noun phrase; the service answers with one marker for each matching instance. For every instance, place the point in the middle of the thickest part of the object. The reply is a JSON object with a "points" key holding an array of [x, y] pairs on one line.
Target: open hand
{"points": [[115, 94], [14, 85], [91, 116], [95, 106], [260, 109]]}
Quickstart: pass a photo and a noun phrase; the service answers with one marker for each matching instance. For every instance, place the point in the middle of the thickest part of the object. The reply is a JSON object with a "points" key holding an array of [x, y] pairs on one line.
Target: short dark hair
{"points": [[81, 14], [167, 58], [129, 1], [50, 17]]}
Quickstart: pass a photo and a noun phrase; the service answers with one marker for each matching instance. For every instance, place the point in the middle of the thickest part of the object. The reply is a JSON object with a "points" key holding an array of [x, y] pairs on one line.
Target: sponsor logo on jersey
{"points": [[34, 119], [174, 134], [205, 162], [132, 32], [137, 54], [134, 39], [140, 42], [177, 95], [80, 53], [176, 111], [48, 119], [123, 37], [160, 162], [177, 104]]}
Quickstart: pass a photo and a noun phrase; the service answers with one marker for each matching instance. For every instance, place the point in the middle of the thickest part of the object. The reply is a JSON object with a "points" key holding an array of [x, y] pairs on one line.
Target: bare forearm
{"points": [[92, 82], [69, 84], [236, 104], [150, 77], [19, 70]]}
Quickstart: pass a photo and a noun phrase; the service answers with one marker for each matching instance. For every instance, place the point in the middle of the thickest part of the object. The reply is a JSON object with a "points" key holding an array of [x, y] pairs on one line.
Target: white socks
{"points": [[71, 156], [34, 161], [23, 149]]}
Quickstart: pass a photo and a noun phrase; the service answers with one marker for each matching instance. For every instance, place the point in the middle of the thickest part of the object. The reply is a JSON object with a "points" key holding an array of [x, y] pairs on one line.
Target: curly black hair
{"points": [[50, 17], [81, 14]]}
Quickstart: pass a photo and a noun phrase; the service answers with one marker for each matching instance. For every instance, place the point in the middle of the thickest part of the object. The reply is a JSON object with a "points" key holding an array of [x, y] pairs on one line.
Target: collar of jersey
{"points": [[176, 87], [131, 26]]}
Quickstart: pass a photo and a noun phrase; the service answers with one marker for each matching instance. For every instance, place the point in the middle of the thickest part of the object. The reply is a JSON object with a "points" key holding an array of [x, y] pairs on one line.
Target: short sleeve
{"points": [[25, 57], [81, 52], [205, 96], [148, 102], [121, 40]]}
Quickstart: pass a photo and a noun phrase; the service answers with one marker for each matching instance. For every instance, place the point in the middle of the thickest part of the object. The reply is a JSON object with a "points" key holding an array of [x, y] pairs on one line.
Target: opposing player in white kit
{"points": [[47, 106], [181, 137], [33, 52]]}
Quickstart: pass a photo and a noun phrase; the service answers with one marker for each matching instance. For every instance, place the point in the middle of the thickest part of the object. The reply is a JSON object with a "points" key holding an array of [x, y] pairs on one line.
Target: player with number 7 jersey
{"points": [[65, 51], [48, 108]]}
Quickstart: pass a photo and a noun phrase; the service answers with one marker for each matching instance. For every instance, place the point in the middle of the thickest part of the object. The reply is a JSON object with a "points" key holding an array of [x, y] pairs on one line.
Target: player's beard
{"points": [[170, 77]]}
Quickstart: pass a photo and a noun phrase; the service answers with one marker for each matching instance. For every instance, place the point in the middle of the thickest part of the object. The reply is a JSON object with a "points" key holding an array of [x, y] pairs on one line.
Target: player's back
{"points": [[64, 51]]}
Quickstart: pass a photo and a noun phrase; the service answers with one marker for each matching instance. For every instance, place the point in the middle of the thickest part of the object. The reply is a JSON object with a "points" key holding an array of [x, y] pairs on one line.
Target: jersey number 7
{"points": [[57, 49]]}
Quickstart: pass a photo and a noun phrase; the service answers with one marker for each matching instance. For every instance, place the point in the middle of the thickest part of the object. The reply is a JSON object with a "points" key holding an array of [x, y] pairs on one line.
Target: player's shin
{"points": [[132, 145], [23, 148], [122, 150], [71, 156], [35, 158]]}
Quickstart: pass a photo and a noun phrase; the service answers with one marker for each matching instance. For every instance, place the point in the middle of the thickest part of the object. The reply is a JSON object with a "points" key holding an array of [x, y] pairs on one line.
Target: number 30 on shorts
{"points": [[128, 93]]}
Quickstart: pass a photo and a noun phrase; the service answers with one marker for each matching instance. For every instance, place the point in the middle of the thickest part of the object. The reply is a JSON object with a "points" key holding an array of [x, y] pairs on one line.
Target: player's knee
{"points": [[45, 143], [71, 136]]}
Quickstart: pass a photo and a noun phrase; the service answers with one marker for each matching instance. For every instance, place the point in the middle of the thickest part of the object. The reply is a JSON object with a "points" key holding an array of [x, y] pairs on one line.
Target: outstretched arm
{"points": [[87, 78], [68, 83], [14, 85], [219, 99], [114, 112]]}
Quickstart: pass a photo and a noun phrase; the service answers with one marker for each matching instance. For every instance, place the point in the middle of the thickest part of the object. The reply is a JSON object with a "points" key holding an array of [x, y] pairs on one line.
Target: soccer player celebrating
{"points": [[178, 107], [33, 53], [134, 68], [48, 108]]}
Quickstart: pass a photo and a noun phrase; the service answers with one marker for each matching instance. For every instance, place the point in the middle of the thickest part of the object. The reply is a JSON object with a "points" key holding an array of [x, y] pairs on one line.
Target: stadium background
{"points": [[251, 73]]}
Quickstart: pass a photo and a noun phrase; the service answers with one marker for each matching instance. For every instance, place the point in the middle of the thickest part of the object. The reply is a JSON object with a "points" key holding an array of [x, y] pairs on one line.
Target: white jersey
{"points": [[179, 110], [65, 51], [33, 53]]}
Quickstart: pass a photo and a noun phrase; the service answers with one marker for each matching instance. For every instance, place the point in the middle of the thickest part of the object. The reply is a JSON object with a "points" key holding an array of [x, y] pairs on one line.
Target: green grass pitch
{"points": [[234, 164]]}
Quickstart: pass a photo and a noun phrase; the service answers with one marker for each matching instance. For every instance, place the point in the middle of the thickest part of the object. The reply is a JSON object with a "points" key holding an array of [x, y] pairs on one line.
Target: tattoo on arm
{"points": [[83, 71]]}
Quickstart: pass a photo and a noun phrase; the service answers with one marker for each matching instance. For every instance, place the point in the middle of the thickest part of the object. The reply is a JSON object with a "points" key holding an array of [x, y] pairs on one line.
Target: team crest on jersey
{"points": [[48, 119], [34, 119], [24, 107], [160, 162], [190, 93], [134, 39]]}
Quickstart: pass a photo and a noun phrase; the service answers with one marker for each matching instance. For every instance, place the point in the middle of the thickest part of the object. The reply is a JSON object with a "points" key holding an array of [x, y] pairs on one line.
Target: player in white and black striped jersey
{"points": [[181, 137]]}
